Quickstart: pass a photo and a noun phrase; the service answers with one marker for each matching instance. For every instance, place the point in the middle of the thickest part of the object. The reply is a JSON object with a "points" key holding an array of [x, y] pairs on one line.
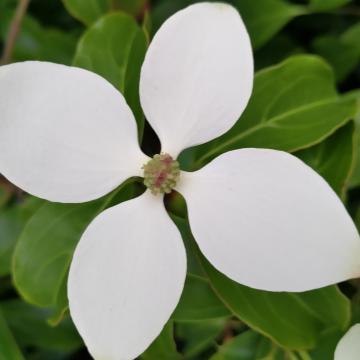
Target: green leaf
{"points": [[44, 250], [294, 105], [12, 221], [163, 9], [193, 265], [9, 349], [30, 328], [292, 320], [342, 51], [333, 158], [265, 18], [36, 42], [10, 227], [246, 346], [87, 11], [114, 47], [323, 5], [199, 335], [163, 347], [198, 302], [277, 49], [355, 177], [326, 347]]}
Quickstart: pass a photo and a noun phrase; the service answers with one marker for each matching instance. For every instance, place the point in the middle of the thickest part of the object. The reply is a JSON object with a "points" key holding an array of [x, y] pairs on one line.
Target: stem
{"points": [[14, 31], [290, 355], [304, 355], [113, 5], [228, 332], [142, 13]]}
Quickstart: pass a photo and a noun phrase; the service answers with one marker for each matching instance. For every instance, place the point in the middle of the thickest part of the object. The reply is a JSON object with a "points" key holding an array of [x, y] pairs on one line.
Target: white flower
{"points": [[262, 217], [348, 347]]}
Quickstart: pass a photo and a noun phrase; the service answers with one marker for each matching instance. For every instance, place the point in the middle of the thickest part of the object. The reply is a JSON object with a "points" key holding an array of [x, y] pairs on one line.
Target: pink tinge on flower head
{"points": [[167, 159], [160, 178], [161, 174]]}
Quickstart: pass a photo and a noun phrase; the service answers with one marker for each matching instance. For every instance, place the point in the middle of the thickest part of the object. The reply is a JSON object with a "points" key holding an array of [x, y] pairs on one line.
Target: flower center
{"points": [[161, 174]]}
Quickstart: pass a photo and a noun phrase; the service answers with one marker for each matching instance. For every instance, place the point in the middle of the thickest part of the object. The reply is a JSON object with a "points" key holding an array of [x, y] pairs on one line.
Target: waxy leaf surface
{"points": [[293, 106]]}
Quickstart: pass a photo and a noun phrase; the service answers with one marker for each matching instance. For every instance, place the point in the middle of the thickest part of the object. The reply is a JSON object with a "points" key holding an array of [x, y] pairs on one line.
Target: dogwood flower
{"points": [[261, 217], [348, 347]]}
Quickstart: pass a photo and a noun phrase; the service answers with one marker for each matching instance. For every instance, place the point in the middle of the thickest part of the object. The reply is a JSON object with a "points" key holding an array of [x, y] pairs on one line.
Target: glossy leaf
{"points": [[9, 349], [164, 346], [36, 42], [333, 158], [199, 302], [355, 177], [342, 51], [293, 106], [326, 346], [199, 335], [292, 320], [87, 11], [10, 227], [114, 47], [277, 49], [323, 5], [177, 211], [12, 221], [263, 25], [45, 248], [246, 346], [30, 328]]}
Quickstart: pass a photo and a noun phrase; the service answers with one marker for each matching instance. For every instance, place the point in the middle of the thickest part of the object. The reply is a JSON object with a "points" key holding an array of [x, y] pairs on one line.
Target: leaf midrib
{"points": [[43, 233], [272, 122]]}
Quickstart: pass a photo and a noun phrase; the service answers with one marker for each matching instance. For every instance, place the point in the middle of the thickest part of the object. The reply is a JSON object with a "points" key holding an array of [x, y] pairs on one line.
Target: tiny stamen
{"points": [[161, 174]]}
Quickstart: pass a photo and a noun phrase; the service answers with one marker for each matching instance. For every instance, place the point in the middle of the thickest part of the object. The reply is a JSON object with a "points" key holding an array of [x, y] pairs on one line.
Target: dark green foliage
{"points": [[306, 101]]}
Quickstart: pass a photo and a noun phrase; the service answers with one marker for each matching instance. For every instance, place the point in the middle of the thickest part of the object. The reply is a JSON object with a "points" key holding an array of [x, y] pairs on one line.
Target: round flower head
{"points": [[161, 174], [262, 217]]}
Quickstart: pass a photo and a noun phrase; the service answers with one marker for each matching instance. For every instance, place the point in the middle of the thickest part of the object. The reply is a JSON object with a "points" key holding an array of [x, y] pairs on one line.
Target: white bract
{"points": [[348, 347], [262, 217]]}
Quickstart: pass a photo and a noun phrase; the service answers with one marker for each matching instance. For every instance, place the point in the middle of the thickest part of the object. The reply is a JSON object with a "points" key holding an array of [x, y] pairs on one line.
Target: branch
{"points": [[14, 31]]}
